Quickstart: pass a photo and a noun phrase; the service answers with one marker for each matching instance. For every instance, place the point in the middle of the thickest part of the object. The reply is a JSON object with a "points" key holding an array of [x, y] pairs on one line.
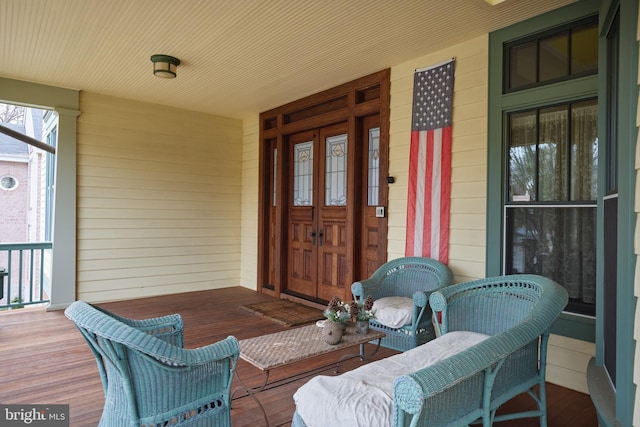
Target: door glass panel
{"points": [[303, 174], [275, 168], [584, 151], [374, 167], [336, 171], [522, 157], [552, 154]]}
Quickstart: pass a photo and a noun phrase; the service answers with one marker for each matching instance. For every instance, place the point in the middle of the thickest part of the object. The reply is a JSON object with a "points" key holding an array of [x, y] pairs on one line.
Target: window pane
{"points": [[552, 154], [336, 171], [584, 50], [554, 57], [522, 65], [273, 171], [555, 242], [303, 174], [584, 151], [522, 157], [374, 167]]}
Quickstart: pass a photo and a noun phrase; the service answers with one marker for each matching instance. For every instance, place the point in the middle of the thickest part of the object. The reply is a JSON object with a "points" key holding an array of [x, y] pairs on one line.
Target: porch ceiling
{"points": [[239, 57]]}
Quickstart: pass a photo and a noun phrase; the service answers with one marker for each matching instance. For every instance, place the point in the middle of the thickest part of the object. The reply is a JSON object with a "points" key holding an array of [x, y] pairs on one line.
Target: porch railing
{"points": [[25, 274]]}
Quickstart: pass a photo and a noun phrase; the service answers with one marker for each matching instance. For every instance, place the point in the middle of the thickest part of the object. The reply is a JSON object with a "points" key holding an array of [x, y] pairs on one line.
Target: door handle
{"points": [[313, 237], [320, 238]]}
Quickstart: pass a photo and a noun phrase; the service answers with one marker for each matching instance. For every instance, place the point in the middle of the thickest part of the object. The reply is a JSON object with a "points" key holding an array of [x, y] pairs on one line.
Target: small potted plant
{"points": [[362, 312], [337, 317]]}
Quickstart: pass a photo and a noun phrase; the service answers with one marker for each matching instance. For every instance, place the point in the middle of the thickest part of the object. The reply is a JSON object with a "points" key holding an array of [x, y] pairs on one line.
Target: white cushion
{"points": [[363, 397], [393, 312]]}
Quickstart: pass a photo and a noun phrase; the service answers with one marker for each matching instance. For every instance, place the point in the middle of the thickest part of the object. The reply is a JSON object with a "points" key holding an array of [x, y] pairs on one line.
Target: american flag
{"points": [[429, 196]]}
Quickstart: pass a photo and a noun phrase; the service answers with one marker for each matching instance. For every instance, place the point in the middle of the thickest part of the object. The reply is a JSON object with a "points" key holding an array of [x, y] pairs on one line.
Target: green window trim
{"points": [[500, 104]]}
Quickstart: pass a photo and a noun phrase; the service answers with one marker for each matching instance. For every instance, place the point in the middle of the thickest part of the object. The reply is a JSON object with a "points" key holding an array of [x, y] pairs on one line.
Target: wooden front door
{"points": [[323, 190], [319, 246]]}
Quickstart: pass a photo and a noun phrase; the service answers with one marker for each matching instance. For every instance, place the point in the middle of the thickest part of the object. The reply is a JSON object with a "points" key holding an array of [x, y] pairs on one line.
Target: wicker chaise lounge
{"points": [[493, 347], [149, 379], [410, 278]]}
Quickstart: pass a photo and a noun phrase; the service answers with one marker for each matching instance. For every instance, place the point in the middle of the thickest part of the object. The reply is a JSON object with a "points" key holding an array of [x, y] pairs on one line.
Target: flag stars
{"points": [[433, 98]]}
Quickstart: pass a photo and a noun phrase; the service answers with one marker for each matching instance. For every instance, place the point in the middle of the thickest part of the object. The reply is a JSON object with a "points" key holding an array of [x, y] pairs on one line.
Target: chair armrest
{"points": [[365, 287], [420, 299], [172, 356], [412, 389]]}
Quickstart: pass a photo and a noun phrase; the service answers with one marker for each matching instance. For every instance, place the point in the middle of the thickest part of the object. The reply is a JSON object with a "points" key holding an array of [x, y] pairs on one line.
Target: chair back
{"points": [[147, 375], [403, 277], [498, 304]]}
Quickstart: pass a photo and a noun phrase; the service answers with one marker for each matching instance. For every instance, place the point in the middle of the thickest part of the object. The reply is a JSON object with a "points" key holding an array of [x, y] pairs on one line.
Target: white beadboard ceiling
{"points": [[239, 57]]}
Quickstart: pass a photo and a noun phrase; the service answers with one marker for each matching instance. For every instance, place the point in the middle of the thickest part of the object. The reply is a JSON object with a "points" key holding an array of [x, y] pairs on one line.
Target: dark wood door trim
{"points": [[345, 103]]}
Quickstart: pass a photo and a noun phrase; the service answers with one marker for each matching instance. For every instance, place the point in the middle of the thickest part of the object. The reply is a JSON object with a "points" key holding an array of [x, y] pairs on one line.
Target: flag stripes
{"points": [[429, 198]]}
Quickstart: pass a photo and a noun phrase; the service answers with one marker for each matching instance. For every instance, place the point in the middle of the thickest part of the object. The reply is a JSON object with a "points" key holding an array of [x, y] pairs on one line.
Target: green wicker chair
{"points": [[513, 313], [517, 311], [149, 379], [411, 277]]}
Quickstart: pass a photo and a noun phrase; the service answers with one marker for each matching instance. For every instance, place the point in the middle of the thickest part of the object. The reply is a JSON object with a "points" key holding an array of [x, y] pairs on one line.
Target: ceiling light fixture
{"points": [[165, 66]]}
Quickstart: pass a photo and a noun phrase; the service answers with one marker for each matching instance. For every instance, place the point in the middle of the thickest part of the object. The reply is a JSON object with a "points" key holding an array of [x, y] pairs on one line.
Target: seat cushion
{"points": [[364, 397], [394, 312]]}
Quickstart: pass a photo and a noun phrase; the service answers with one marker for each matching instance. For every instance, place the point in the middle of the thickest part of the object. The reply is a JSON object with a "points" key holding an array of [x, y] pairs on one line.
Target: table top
{"points": [[293, 345]]}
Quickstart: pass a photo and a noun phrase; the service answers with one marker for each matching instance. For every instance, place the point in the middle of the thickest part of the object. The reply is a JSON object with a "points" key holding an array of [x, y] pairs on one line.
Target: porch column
{"points": [[63, 254]]}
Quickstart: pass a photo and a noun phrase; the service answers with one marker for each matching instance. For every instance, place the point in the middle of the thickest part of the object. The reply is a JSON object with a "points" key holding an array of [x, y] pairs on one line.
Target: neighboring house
{"points": [[23, 212], [146, 205], [14, 188]]}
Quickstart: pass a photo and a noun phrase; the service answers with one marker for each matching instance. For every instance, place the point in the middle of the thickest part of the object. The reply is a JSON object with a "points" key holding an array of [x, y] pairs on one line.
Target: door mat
{"points": [[285, 312]]}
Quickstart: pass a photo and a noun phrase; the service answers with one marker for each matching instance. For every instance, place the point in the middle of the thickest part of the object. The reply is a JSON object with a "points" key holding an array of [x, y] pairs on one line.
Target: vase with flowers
{"points": [[337, 314], [362, 312]]}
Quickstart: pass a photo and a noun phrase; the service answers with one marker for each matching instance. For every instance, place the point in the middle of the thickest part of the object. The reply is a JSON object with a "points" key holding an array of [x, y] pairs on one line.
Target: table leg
{"points": [[361, 355], [252, 391]]}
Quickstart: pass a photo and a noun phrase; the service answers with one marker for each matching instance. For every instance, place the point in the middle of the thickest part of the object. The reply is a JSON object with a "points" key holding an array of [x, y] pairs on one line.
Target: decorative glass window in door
{"points": [[303, 174], [373, 167], [275, 175], [336, 170]]}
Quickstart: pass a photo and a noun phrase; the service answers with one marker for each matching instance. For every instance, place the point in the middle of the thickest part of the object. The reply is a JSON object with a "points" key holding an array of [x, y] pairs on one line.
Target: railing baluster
{"points": [[41, 274], [31, 267], [9, 269], [31, 274], [20, 267]]}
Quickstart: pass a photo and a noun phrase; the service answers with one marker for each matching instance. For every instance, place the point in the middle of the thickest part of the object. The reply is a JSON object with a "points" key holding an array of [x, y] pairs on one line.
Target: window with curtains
{"points": [[550, 214]]}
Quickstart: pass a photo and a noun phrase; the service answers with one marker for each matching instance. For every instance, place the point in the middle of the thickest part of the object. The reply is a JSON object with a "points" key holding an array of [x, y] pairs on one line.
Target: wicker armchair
{"points": [[147, 375], [411, 277], [517, 312], [492, 347]]}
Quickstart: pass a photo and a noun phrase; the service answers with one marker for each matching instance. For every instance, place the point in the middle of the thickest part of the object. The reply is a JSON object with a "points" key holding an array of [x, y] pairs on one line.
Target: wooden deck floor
{"points": [[44, 360]]}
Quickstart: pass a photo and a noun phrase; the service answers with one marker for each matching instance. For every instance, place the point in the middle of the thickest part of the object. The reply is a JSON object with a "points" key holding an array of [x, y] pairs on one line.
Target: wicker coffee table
{"points": [[294, 345]]}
